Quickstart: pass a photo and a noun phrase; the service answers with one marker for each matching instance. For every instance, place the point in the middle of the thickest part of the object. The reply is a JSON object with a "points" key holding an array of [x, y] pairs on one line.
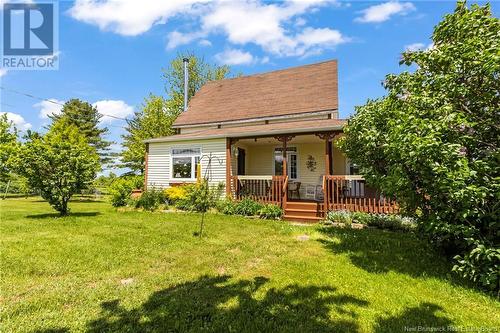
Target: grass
{"points": [[101, 270]]}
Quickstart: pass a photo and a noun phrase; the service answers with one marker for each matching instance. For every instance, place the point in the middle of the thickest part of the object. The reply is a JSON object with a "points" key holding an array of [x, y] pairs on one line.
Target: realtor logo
{"points": [[29, 35]]}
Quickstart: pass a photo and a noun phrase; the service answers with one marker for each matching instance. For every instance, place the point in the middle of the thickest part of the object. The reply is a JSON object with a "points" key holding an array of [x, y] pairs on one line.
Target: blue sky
{"points": [[112, 53]]}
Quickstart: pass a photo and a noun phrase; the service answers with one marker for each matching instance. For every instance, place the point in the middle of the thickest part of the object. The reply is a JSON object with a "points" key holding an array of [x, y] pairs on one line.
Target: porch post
{"points": [[285, 169], [328, 156], [228, 167]]}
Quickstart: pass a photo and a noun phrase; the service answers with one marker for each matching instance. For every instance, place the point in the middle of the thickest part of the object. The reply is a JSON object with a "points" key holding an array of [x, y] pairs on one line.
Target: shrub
{"points": [[149, 200], [432, 141], [226, 206], [480, 265], [340, 216], [382, 221], [176, 193], [121, 188], [247, 207], [200, 196], [271, 212]]}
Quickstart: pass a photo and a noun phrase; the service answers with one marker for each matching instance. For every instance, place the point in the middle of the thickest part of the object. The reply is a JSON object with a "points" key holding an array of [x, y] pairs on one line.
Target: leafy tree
{"points": [[86, 118], [59, 164], [200, 72], [8, 145], [153, 119], [157, 114], [433, 141]]}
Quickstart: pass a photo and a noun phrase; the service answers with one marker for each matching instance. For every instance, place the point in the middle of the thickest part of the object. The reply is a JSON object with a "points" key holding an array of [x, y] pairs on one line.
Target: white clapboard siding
{"points": [[159, 159]]}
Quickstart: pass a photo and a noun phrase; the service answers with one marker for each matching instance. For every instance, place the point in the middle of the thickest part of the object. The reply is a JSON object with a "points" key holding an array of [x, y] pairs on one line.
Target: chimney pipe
{"points": [[186, 82]]}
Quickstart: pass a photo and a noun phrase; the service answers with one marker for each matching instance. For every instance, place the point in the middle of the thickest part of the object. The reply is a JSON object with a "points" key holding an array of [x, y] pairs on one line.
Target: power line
{"points": [[52, 101]]}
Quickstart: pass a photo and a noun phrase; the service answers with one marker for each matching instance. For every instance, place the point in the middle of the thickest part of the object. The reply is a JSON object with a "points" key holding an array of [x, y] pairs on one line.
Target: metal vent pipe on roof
{"points": [[186, 82]]}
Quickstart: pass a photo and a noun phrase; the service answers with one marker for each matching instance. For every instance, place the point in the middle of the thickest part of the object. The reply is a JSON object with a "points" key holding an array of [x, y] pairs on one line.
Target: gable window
{"points": [[184, 161], [292, 164]]}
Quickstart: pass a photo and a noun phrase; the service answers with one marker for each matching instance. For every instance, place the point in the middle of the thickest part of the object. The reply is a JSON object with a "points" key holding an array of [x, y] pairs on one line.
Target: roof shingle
{"points": [[310, 88]]}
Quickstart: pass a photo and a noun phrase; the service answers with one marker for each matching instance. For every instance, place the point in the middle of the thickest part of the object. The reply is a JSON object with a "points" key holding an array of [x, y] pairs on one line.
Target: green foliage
{"points": [[153, 119], [382, 221], [433, 141], [151, 199], [58, 165], [8, 145], [157, 114], [247, 207], [175, 194], [481, 265], [226, 206], [121, 188], [271, 212], [200, 72], [87, 119], [339, 216], [200, 197]]}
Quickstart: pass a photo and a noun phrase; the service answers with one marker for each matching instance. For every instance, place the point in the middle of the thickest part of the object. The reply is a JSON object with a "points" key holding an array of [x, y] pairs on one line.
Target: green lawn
{"points": [[102, 270]]}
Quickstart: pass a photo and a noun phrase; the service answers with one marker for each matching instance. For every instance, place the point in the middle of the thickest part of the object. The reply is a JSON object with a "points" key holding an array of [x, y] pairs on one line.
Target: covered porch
{"points": [[304, 173]]}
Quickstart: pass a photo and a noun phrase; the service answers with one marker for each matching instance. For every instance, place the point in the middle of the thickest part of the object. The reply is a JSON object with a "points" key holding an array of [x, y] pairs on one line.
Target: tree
{"points": [[153, 119], [433, 141], [157, 114], [86, 118], [59, 164], [200, 72], [8, 145]]}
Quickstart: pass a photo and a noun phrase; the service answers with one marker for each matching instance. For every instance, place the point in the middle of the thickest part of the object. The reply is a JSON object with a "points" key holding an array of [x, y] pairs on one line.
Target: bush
{"points": [[382, 221], [271, 212], [340, 216], [149, 200], [121, 188], [200, 197], [480, 265], [247, 207], [432, 142], [175, 193], [226, 206]]}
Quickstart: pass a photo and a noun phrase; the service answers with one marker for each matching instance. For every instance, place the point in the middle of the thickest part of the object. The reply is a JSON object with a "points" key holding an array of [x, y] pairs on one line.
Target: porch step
{"points": [[302, 212], [307, 219], [302, 205]]}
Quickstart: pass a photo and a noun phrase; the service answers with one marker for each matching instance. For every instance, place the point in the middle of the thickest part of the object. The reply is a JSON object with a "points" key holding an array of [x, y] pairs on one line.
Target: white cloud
{"points": [[49, 108], [18, 121], [234, 57], [267, 25], [205, 42], [419, 47], [128, 17], [176, 38], [113, 108], [3, 71], [384, 11]]}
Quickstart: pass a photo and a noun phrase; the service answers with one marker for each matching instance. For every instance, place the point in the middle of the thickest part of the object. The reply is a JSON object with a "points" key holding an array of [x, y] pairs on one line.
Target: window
{"points": [[292, 165], [184, 161]]}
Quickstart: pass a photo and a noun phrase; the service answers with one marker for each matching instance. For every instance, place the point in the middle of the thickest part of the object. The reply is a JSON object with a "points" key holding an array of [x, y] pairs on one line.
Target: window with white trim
{"points": [[184, 162]]}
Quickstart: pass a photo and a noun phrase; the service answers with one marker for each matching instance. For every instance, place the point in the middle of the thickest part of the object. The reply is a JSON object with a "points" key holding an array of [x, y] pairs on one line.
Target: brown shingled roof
{"points": [[310, 88], [269, 130]]}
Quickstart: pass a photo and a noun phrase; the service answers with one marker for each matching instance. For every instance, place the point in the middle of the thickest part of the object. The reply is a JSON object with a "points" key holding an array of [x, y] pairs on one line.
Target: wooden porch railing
{"points": [[266, 189], [351, 193]]}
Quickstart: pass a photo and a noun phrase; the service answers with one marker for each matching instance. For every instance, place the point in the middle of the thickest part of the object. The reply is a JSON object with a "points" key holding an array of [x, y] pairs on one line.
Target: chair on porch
{"points": [[294, 187], [315, 191]]}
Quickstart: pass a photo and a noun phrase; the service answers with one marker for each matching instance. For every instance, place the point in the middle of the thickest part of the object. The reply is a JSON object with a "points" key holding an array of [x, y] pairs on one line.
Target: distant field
{"points": [[103, 270]]}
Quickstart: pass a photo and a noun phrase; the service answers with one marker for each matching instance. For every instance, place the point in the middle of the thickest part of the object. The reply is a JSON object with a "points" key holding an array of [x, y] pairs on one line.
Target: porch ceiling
{"points": [[263, 130], [307, 138]]}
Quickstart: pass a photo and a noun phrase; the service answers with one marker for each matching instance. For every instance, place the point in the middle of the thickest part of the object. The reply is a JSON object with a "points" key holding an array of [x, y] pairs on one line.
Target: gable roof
{"points": [[298, 90]]}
